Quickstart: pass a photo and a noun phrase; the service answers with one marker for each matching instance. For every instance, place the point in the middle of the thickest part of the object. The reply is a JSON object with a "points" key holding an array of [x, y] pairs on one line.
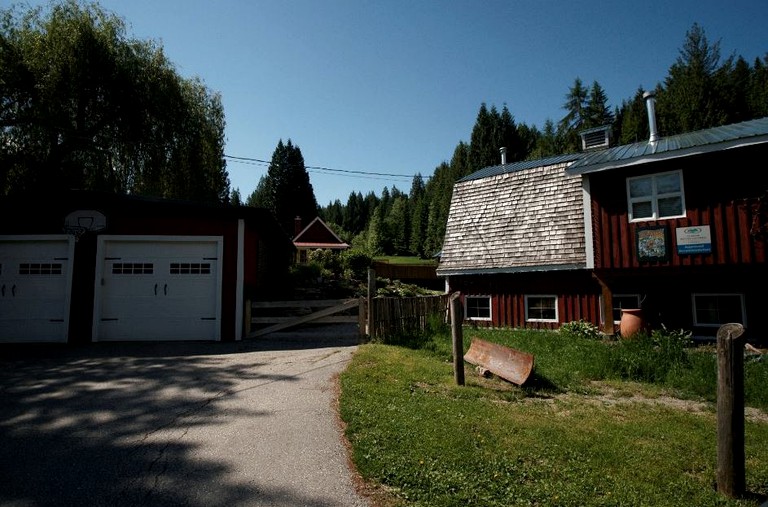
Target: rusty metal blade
{"points": [[505, 362]]}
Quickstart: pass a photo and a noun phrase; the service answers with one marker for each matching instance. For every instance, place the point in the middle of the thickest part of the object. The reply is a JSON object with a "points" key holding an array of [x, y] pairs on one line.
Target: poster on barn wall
{"points": [[652, 243]]}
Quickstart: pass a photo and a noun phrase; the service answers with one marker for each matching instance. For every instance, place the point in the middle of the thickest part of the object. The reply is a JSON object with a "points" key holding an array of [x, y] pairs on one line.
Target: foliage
{"points": [[286, 189], [651, 357], [398, 289], [83, 105], [431, 442], [581, 329], [356, 264]]}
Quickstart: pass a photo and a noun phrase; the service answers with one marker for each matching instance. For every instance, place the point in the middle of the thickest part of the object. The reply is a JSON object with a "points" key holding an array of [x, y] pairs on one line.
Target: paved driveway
{"points": [[195, 424]]}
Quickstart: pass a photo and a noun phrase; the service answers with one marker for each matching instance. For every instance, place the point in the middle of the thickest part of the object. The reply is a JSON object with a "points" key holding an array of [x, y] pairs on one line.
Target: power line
{"points": [[359, 174]]}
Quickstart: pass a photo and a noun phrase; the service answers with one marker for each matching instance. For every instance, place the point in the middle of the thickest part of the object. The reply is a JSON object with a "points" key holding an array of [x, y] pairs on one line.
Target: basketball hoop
{"points": [[79, 222], [75, 230]]}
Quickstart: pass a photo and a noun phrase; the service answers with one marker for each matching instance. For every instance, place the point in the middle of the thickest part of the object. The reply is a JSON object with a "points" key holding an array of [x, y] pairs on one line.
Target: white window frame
{"points": [[478, 296], [706, 324], [655, 196], [527, 309]]}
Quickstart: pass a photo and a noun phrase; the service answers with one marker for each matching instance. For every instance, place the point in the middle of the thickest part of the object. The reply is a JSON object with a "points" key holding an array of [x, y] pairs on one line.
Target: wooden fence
{"points": [[389, 316], [393, 316]]}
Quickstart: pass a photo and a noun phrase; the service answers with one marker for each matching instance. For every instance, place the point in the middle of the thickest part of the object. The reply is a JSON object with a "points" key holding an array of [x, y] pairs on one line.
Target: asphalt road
{"points": [[194, 424]]}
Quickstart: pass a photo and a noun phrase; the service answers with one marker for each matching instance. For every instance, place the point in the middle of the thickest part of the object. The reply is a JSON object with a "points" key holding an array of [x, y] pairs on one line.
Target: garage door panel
{"points": [[160, 290], [35, 284]]}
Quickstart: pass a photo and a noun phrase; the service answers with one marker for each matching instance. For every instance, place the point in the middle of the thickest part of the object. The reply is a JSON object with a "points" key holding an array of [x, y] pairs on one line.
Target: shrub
{"points": [[355, 264], [581, 329]]}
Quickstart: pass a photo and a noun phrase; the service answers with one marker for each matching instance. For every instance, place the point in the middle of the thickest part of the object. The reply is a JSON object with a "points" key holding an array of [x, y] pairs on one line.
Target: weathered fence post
{"points": [[457, 319], [371, 294], [247, 317], [731, 472]]}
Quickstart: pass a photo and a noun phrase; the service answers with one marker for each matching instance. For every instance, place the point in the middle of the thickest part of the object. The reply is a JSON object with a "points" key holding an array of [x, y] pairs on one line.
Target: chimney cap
{"points": [[649, 94]]}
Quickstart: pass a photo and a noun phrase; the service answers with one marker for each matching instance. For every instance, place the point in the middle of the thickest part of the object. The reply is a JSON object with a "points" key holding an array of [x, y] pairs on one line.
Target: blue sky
{"points": [[392, 86]]}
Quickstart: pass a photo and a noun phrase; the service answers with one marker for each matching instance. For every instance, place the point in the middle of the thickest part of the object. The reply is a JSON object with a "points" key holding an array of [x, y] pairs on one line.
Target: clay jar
{"points": [[631, 322]]}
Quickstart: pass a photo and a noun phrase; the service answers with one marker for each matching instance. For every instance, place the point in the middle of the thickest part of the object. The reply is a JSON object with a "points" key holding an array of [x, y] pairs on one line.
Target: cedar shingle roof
{"points": [[519, 217]]}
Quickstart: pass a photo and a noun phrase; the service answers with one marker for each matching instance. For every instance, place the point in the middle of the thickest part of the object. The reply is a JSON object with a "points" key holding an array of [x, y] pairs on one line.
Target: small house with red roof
{"points": [[315, 236]]}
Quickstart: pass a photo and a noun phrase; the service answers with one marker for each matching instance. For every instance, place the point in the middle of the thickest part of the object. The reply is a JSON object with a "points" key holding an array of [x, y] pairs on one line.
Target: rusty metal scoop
{"points": [[507, 363]]}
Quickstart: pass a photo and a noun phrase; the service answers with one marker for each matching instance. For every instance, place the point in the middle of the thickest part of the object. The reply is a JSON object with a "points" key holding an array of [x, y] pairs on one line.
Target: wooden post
{"points": [[247, 318], [731, 473], [457, 319], [371, 295], [609, 327]]}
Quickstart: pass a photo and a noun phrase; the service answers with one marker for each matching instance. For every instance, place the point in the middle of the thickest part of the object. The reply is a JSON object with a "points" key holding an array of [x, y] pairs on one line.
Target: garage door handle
{"points": [[165, 289], [155, 289], [13, 290]]}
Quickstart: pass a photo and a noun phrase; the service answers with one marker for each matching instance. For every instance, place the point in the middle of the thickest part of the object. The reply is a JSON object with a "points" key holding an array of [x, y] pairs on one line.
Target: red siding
{"points": [[578, 296], [725, 203]]}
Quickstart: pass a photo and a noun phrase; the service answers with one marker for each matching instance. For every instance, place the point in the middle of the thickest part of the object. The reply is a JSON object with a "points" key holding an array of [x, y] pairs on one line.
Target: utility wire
{"points": [[256, 161]]}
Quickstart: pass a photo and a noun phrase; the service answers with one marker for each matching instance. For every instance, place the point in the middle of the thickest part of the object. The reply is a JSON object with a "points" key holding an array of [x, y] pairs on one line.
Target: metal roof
{"points": [[682, 145], [496, 170]]}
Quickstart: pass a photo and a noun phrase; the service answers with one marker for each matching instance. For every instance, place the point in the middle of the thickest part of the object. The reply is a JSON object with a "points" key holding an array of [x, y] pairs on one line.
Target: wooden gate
{"points": [[279, 315]]}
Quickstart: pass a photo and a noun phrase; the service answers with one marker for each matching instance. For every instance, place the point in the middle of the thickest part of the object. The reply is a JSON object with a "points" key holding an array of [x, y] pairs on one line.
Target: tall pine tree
{"points": [[286, 189]]}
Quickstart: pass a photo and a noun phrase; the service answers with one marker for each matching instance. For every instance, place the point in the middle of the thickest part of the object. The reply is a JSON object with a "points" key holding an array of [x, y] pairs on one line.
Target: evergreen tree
{"points": [[418, 215], [235, 198], [597, 112], [398, 226], [757, 95], [286, 189], [692, 95], [633, 120], [575, 119]]}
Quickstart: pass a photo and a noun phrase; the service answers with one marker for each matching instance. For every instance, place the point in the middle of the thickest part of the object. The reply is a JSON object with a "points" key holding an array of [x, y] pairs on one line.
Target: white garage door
{"points": [[35, 288], [158, 288]]}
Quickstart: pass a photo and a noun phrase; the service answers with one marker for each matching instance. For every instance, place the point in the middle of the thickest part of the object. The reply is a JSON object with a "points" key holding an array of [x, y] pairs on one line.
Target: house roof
{"points": [[518, 217], [318, 235], [495, 170], [683, 145]]}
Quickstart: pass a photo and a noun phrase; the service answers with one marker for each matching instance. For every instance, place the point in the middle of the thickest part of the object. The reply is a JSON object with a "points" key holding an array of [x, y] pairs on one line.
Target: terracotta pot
{"points": [[631, 322]]}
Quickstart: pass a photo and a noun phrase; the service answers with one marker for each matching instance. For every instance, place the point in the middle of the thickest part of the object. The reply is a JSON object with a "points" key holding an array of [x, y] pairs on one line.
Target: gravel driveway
{"points": [[196, 424]]}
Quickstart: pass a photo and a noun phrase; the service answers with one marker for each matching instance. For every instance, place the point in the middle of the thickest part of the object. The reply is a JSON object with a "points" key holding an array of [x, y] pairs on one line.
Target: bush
{"points": [[355, 264], [581, 329]]}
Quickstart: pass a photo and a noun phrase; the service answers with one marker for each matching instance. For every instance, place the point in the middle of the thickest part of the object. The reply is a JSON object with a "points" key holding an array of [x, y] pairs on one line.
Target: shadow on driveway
{"points": [[126, 423]]}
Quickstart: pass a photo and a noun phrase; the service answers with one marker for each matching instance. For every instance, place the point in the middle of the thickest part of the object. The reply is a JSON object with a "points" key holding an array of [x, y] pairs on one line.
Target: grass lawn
{"points": [[398, 259], [582, 432]]}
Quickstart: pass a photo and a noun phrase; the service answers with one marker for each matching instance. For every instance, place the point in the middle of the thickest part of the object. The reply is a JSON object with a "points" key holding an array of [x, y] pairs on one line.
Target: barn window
{"points": [[477, 307], [541, 308], [655, 196], [714, 310]]}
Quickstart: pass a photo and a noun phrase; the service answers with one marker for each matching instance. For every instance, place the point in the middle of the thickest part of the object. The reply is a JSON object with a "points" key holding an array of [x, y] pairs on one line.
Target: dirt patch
{"points": [[607, 395]]}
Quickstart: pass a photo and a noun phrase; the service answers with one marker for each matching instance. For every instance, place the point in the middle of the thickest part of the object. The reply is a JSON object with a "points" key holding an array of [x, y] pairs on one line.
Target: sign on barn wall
{"points": [[693, 240]]}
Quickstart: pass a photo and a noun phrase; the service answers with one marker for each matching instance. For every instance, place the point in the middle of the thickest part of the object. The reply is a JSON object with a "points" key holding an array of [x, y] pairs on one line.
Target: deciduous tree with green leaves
{"points": [[83, 105]]}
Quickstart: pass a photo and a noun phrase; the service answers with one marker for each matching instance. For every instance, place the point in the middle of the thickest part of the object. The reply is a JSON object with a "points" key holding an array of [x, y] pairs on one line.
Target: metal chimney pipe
{"points": [[503, 151], [650, 104]]}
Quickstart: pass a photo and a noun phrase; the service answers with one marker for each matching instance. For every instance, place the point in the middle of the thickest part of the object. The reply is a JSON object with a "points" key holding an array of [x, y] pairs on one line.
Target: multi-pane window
{"points": [[132, 268], [541, 308], [37, 268], [190, 268], [478, 307], [621, 301], [656, 196], [718, 309]]}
